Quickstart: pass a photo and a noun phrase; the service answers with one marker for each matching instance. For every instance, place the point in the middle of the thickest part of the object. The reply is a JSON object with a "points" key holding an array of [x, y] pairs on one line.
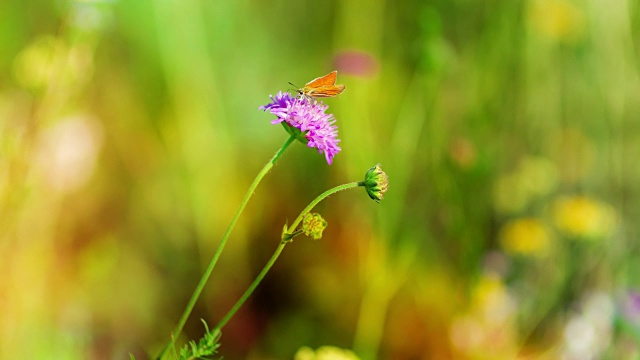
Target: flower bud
{"points": [[313, 225], [376, 182]]}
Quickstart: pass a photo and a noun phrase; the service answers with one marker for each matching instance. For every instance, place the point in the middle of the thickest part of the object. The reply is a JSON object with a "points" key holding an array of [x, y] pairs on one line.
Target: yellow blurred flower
{"points": [[535, 176], [37, 63], [559, 20], [488, 325], [49, 61], [325, 353], [508, 195], [526, 236], [582, 216], [491, 299]]}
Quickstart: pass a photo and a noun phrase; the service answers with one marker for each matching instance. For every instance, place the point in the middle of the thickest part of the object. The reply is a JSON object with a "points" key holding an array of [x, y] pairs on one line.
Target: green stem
{"points": [[322, 197], [276, 254], [223, 242]]}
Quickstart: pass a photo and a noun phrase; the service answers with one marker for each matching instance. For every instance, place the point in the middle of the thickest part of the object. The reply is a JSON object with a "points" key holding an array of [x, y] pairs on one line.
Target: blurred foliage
{"points": [[129, 131]]}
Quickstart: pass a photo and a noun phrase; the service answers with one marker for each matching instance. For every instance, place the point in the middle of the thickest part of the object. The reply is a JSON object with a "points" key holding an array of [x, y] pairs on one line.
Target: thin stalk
{"points": [[223, 242], [322, 197]]}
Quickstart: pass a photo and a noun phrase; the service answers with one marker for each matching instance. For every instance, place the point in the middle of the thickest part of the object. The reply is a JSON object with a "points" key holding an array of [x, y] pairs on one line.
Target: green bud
{"points": [[313, 225], [376, 182], [286, 236]]}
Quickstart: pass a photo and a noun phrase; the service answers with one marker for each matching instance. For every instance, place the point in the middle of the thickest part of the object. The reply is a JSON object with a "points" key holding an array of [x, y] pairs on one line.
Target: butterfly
{"points": [[323, 86]]}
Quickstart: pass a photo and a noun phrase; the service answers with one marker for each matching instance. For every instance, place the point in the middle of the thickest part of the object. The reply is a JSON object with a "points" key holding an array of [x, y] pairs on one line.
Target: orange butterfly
{"points": [[324, 86]]}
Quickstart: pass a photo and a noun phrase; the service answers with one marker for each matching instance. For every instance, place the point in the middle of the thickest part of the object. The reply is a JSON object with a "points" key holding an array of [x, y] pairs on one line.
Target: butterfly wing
{"points": [[327, 80], [325, 91]]}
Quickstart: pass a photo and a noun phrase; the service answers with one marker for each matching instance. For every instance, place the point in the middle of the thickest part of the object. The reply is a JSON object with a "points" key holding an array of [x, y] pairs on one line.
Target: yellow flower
{"points": [[582, 216], [526, 236], [559, 20], [325, 353], [534, 177], [508, 195], [537, 175], [50, 59], [313, 224]]}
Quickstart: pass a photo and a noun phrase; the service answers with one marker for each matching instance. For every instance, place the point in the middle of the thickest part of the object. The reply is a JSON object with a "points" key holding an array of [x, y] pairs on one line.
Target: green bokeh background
{"points": [[130, 130]]}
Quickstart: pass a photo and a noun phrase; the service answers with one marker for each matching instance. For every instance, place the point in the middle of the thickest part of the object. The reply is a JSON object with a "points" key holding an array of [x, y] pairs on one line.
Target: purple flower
{"points": [[307, 118], [631, 307]]}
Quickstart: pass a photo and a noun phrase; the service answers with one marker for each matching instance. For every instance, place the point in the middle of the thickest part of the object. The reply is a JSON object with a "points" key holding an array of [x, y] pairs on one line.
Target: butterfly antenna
{"points": [[295, 88]]}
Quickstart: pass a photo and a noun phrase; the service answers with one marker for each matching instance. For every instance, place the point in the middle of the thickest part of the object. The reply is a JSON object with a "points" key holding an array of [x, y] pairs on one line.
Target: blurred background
{"points": [[510, 131]]}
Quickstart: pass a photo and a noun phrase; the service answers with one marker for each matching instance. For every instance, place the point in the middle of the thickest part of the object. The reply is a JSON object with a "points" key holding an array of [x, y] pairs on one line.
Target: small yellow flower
{"points": [[581, 216], [325, 353], [526, 236], [313, 225]]}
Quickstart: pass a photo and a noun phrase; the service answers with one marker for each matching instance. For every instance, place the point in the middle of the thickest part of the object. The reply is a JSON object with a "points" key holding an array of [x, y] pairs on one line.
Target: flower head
{"points": [[306, 119], [313, 225], [376, 183], [583, 217], [525, 236], [325, 353], [630, 307]]}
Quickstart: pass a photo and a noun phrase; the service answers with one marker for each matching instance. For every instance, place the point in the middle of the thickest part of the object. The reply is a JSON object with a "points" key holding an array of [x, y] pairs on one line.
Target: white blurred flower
{"points": [[588, 333], [91, 15], [66, 153]]}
